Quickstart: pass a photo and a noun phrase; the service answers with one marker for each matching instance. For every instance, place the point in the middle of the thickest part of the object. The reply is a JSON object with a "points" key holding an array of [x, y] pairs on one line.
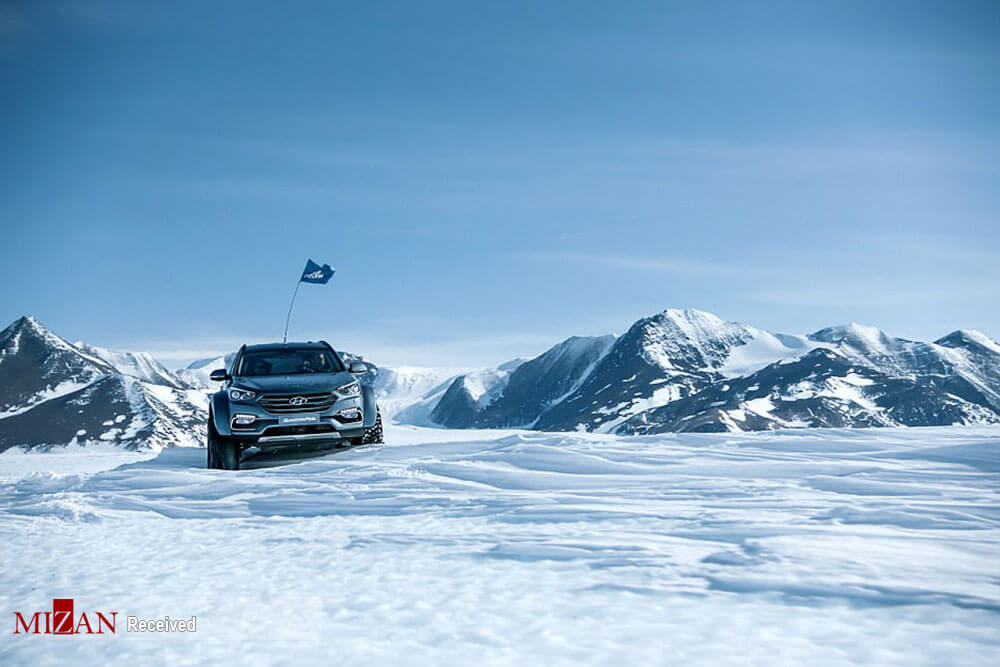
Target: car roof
{"points": [[308, 345]]}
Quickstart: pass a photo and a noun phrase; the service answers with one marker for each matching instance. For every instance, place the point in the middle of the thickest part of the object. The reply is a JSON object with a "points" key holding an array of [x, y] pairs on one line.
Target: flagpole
{"points": [[284, 339]]}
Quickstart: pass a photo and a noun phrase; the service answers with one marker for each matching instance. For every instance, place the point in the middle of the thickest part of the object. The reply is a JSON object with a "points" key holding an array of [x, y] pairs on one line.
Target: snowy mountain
{"points": [[679, 370], [658, 360], [687, 370], [662, 359], [517, 393], [139, 365], [197, 373], [55, 393], [410, 393], [470, 395]]}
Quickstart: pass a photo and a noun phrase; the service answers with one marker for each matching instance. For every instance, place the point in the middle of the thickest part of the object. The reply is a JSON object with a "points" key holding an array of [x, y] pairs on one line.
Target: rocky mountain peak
{"points": [[859, 336], [678, 339], [969, 338]]}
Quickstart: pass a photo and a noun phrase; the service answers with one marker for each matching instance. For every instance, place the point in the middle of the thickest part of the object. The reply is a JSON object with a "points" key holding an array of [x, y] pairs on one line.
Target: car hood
{"points": [[293, 384]]}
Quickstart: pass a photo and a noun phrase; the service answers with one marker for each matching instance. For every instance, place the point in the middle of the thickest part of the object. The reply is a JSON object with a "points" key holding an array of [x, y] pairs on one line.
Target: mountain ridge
{"points": [[676, 370], [679, 370]]}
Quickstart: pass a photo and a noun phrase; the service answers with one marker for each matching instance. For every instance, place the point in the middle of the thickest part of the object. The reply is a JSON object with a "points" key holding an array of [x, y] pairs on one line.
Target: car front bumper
{"points": [[251, 424]]}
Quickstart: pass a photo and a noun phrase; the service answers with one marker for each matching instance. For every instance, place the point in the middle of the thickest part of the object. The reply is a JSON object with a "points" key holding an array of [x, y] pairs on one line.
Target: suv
{"points": [[283, 395]]}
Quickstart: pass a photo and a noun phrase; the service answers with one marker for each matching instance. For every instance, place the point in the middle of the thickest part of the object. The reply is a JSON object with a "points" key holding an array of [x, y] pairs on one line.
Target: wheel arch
{"points": [[368, 406], [219, 413]]}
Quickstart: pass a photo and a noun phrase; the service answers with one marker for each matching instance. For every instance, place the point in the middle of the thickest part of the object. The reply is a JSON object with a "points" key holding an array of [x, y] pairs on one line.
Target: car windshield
{"points": [[288, 361]]}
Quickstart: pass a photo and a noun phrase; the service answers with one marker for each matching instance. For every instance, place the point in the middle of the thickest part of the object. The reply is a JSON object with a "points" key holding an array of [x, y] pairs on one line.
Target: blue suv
{"points": [[282, 395]]}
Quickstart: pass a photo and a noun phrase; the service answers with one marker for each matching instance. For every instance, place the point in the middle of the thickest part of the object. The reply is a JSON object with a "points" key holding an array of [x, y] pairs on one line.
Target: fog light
{"points": [[350, 414], [243, 419]]}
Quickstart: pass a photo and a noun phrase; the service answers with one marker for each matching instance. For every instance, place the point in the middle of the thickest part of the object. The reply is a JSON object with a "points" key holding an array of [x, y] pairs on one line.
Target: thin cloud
{"points": [[670, 265], [866, 295]]}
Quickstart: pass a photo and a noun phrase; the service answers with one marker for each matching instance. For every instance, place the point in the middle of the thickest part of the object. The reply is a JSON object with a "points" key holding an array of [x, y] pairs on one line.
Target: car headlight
{"points": [[350, 389], [241, 395]]}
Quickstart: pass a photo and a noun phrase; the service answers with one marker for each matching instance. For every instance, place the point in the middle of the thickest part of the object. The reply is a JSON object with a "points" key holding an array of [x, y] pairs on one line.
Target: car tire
{"points": [[223, 453], [229, 453], [373, 434], [211, 443]]}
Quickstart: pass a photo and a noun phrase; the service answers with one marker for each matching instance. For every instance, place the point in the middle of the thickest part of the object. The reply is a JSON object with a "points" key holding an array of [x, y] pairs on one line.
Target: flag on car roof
{"points": [[314, 273]]}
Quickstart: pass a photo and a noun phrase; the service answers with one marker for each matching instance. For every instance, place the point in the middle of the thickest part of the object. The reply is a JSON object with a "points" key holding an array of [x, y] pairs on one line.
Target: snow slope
{"points": [[463, 547], [411, 389]]}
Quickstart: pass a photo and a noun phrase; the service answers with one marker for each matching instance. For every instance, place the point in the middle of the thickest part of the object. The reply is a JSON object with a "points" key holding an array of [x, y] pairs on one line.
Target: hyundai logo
{"points": [[298, 400]]}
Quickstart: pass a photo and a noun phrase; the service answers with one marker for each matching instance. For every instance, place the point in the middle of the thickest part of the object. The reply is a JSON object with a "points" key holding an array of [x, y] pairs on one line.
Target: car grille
{"points": [[282, 403], [298, 430]]}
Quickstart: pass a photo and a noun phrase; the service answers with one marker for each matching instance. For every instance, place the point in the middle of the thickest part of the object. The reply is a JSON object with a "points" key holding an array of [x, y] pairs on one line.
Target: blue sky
{"points": [[489, 178]]}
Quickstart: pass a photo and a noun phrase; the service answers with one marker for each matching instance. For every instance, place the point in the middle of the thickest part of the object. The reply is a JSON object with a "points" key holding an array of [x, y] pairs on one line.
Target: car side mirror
{"points": [[357, 368], [219, 375]]}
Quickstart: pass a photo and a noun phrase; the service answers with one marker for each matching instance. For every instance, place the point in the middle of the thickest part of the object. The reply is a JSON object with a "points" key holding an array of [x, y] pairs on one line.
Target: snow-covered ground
{"points": [[467, 547]]}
